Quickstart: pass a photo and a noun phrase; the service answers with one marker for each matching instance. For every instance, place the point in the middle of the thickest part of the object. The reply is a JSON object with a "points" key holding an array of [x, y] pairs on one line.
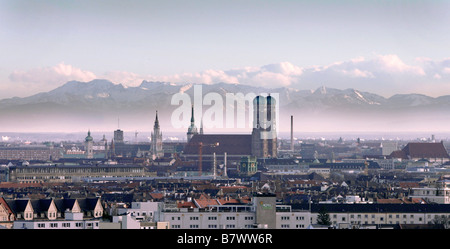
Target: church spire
{"points": [[156, 121], [156, 136], [192, 130]]}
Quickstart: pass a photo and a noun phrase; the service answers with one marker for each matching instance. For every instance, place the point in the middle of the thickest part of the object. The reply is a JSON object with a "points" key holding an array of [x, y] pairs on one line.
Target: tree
{"points": [[441, 220], [323, 218]]}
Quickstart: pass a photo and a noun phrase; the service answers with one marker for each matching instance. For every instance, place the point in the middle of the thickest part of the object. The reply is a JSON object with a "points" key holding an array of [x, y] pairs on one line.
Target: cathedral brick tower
{"points": [[264, 135]]}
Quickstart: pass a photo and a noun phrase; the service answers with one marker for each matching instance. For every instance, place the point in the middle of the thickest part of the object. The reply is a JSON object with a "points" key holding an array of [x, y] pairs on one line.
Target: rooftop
{"points": [[232, 144]]}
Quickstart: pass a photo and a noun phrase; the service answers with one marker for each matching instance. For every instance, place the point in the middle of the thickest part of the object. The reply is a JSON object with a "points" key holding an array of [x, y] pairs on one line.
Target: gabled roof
{"points": [[63, 204], [425, 150], [232, 144], [18, 206], [204, 201], [398, 154], [41, 205], [157, 196], [5, 205], [224, 201], [185, 205], [87, 203]]}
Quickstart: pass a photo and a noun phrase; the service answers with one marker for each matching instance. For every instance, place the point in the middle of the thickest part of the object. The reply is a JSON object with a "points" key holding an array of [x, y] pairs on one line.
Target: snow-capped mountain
{"points": [[99, 104]]}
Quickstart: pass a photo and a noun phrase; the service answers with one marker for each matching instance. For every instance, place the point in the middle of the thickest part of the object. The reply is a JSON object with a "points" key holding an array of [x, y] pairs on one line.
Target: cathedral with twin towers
{"points": [[261, 143]]}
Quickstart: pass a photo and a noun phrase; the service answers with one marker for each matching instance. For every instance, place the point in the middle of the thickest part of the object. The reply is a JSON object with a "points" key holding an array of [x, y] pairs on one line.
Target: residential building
{"points": [[30, 152], [128, 221], [143, 211], [72, 173], [439, 194], [81, 213], [358, 215], [71, 221], [6, 214]]}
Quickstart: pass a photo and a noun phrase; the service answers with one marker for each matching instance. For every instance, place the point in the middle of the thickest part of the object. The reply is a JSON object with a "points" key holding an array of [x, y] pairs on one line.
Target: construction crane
{"points": [[366, 168], [200, 154]]}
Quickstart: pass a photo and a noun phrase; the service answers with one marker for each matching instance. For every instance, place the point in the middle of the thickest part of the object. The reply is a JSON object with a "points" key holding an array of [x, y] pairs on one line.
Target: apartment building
{"points": [[30, 152], [72, 220], [205, 213], [356, 215], [216, 217], [263, 212], [83, 213], [143, 211], [440, 193], [72, 173], [288, 219]]}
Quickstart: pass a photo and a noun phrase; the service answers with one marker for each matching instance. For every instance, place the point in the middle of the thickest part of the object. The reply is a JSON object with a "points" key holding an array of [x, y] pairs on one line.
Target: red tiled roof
{"points": [[19, 185], [156, 195], [421, 150], [401, 201], [203, 203], [408, 184], [414, 200], [245, 200], [398, 154], [389, 201], [185, 204], [223, 201], [425, 150]]}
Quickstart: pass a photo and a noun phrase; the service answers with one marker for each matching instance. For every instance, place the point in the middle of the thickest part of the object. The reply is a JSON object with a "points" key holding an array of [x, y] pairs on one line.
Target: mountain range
{"points": [[102, 105]]}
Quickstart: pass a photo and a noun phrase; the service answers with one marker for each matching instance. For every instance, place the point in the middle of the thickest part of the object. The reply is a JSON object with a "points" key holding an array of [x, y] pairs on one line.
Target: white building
{"points": [[131, 222], [439, 194], [216, 217], [288, 219], [263, 212], [144, 211], [73, 220], [388, 164]]}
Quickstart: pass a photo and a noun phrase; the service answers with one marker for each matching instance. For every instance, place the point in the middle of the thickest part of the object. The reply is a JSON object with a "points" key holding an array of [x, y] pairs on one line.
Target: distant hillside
{"points": [[99, 104]]}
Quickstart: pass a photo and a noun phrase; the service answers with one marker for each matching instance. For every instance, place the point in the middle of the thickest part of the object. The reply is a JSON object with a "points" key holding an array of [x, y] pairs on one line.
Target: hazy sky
{"points": [[385, 47]]}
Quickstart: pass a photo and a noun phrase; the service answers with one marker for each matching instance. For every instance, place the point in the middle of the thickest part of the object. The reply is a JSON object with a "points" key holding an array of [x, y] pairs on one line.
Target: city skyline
{"points": [[382, 47], [175, 115]]}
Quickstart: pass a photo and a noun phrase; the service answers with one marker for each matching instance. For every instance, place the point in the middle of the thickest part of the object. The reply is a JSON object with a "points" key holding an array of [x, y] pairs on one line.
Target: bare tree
{"points": [[442, 220]]}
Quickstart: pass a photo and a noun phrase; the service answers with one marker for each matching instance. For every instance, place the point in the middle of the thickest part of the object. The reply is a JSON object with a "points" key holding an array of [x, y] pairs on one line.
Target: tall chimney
{"points": [[292, 133], [225, 164], [215, 165]]}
